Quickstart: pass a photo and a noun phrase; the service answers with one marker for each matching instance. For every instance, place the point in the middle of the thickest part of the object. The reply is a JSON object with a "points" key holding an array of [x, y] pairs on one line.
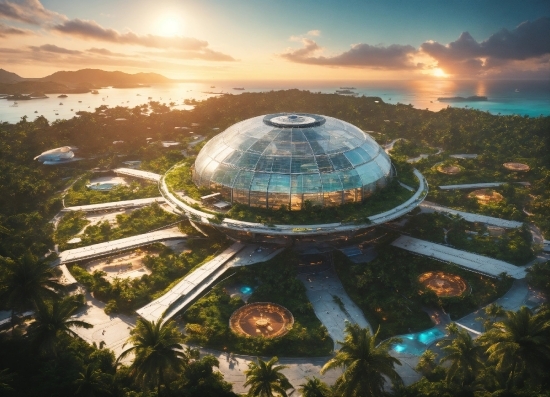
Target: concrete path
{"points": [[478, 185], [427, 206], [150, 176], [123, 244], [321, 288], [477, 263], [115, 205]]}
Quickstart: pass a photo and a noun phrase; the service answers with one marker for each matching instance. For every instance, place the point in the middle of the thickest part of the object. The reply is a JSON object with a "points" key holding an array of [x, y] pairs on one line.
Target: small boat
{"points": [[79, 101], [36, 111], [212, 86], [239, 88], [138, 94], [149, 97], [517, 90], [57, 114], [71, 110], [62, 96], [95, 92], [61, 103]]}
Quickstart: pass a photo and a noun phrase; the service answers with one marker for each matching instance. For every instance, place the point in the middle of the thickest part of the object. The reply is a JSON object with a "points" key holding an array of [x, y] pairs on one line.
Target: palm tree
{"points": [[520, 344], [158, 350], [315, 387], [365, 363], [464, 355], [25, 282], [265, 379], [92, 382], [52, 319], [426, 363]]}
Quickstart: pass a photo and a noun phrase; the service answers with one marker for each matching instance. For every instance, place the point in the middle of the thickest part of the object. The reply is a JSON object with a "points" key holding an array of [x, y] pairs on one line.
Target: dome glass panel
{"points": [[286, 159]]}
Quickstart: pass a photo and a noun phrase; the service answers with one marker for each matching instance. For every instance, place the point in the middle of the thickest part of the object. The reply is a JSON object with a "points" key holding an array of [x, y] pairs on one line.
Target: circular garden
{"points": [[443, 284], [269, 320]]}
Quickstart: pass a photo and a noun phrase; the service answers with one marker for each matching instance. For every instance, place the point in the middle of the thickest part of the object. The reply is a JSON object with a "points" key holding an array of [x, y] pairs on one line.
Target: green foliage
{"points": [[72, 223], [79, 194], [538, 276], [181, 178], [513, 246], [207, 321]]}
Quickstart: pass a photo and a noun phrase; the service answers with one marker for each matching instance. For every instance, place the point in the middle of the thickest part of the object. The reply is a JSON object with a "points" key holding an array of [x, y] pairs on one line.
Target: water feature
{"points": [[418, 342], [246, 290]]}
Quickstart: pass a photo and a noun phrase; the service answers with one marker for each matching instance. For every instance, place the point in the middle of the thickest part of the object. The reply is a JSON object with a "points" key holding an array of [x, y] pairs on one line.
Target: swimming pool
{"points": [[246, 290], [418, 342]]}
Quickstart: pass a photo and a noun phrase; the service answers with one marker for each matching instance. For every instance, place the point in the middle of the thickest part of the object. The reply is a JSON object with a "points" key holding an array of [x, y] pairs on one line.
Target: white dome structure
{"points": [[57, 155], [286, 159]]}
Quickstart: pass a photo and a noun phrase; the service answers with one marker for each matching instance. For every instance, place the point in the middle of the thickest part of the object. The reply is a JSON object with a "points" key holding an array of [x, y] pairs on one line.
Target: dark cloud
{"points": [[55, 49], [196, 49], [394, 56], [465, 55], [28, 11], [6, 31]]}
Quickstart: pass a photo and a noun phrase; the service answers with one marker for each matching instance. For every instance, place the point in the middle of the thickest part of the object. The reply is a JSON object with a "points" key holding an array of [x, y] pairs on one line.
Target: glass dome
{"points": [[285, 159]]}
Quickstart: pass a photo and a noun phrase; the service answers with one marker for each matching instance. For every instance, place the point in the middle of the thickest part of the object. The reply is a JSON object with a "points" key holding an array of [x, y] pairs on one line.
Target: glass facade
{"points": [[286, 159]]}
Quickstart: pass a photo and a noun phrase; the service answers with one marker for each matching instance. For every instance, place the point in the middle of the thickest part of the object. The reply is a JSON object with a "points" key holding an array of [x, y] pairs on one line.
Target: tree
{"points": [[265, 379], [51, 319], [315, 387], [92, 382], [520, 345], [158, 351], [365, 363], [465, 357], [25, 282]]}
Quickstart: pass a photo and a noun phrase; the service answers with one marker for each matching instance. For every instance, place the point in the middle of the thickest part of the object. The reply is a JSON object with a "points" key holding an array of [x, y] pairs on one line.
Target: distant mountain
{"points": [[38, 88], [9, 77], [101, 78]]}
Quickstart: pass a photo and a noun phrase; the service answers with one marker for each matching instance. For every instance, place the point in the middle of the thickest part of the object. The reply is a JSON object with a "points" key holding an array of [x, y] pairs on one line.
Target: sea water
{"points": [[522, 97]]}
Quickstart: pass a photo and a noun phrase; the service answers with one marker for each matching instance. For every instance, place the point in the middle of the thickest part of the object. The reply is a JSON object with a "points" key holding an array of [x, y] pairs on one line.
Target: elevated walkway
{"points": [[123, 244], [150, 176], [477, 263], [188, 289], [115, 205], [479, 185], [468, 216]]}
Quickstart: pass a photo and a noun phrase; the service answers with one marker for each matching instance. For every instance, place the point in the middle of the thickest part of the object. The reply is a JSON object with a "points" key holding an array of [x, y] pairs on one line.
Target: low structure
{"points": [[261, 319], [56, 156], [476, 263]]}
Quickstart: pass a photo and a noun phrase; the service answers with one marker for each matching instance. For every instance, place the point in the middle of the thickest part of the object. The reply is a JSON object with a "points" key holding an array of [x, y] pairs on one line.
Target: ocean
{"points": [[522, 97]]}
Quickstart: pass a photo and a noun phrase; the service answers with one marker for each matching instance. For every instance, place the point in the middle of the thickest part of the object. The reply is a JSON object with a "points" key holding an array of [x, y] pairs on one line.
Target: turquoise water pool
{"points": [[246, 290], [417, 343]]}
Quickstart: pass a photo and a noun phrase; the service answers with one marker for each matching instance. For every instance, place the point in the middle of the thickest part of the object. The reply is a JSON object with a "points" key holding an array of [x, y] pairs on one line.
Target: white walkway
{"points": [[150, 176], [478, 185], [427, 206], [188, 288], [110, 247], [116, 205], [477, 263]]}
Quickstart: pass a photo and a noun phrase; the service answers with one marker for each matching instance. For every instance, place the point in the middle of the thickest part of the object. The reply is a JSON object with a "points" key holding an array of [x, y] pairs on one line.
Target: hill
{"points": [[38, 87], [9, 77], [101, 78]]}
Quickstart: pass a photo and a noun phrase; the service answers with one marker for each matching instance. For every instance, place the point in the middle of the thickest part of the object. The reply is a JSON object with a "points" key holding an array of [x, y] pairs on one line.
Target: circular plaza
{"points": [[268, 320], [443, 284]]}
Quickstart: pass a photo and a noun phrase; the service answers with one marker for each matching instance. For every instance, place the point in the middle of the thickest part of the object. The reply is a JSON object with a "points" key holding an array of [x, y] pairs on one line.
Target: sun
{"points": [[438, 72], [169, 25]]}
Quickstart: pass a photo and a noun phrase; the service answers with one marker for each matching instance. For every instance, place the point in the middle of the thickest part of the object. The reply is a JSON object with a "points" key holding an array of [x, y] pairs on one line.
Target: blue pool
{"points": [[417, 343], [246, 290]]}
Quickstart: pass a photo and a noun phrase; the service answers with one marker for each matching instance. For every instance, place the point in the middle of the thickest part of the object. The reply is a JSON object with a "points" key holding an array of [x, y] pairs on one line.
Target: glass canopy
{"points": [[286, 159]]}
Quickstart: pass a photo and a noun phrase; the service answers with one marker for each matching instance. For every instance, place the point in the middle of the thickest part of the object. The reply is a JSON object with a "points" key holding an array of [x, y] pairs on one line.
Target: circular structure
{"points": [[268, 320], [443, 284], [449, 169], [287, 159], [518, 167], [486, 196]]}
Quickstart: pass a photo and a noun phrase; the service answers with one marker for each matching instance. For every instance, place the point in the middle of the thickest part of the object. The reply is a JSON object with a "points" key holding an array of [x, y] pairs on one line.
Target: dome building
{"points": [[287, 159]]}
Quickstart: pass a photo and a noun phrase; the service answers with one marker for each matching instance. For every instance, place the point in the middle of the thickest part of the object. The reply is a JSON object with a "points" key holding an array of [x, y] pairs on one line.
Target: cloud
{"points": [[465, 55], [6, 31], [55, 49], [204, 54], [394, 56], [28, 11], [314, 33], [105, 52], [91, 30]]}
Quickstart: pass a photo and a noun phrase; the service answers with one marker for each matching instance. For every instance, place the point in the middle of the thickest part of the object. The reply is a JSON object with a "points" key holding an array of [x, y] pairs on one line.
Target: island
{"points": [[346, 92], [475, 98]]}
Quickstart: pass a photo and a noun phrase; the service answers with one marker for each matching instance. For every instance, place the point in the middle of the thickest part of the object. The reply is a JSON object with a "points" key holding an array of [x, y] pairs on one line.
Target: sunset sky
{"points": [[279, 39]]}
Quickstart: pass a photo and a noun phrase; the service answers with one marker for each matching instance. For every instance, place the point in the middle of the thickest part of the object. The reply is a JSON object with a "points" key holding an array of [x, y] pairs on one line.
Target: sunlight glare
{"points": [[169, 25], [439, 73]]}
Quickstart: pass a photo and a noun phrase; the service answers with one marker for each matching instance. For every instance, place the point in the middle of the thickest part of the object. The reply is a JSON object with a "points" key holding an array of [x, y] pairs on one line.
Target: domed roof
{"points": [[292, 153]]}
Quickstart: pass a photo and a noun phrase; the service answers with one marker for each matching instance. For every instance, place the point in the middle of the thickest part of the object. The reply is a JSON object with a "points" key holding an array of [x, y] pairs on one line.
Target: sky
{"points": [[243, 40]]}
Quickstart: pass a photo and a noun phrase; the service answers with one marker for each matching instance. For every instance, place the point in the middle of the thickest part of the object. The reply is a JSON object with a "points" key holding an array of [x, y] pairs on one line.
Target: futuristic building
{"points": [[55, 156], [286, 159]]}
